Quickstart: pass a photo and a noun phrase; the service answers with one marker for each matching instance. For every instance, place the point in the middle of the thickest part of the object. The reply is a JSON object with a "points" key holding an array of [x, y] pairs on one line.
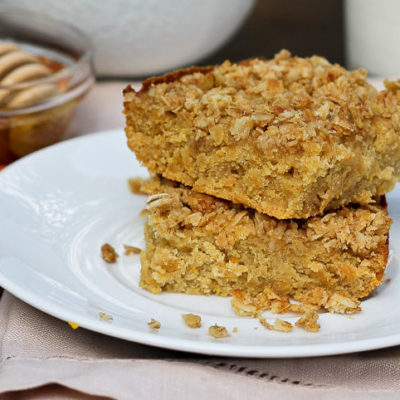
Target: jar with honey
{"points": [[45, 71]]}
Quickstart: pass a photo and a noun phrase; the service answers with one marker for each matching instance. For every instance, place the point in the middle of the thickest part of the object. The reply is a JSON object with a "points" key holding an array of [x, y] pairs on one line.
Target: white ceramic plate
{"points": [[59, 205]]}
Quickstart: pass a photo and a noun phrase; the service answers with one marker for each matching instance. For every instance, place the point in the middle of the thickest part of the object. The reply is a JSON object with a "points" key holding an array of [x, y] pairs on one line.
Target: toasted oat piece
{"points": [[198, 244], [290, 137], [154, 324], [309, 322], [218, 332], [131, 250], [109, 254], [192, 320], [135, 185], [105, 317], [278, 325]]}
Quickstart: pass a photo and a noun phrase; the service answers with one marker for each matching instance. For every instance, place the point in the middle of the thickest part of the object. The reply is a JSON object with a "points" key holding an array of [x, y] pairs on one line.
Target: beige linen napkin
{"points": [[37, 350], [43, 358]]}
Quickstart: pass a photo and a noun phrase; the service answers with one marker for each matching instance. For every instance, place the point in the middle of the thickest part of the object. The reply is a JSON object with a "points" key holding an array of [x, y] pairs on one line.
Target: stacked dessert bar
{"points": [[268, 180]]}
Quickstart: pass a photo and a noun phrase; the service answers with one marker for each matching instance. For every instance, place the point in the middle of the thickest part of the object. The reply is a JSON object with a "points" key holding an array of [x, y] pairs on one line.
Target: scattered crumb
{"points": [[105, 317], [234, 330], [131, 250], [279, 325], [245, 305], [135, 185], [309, 321], [342, 304], [387, 280], [256, 328], [192, 320], [218, 331], [73, 325], [350, 317], [109, 254], [154, 324]]}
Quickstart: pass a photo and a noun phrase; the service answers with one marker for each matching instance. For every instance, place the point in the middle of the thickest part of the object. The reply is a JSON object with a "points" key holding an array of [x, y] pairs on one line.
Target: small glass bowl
{"points": [[28, 128]]}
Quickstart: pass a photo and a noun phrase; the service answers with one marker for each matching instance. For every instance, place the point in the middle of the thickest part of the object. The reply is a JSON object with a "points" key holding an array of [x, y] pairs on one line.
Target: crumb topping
{"points": [[360, 228]]}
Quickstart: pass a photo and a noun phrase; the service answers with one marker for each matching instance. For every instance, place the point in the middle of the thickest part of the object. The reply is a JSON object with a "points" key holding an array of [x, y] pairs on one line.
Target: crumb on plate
{"points": [[309, 322], [109, 254], [192, 320], [105, 317], [131, 250], [279, 325], [218, 332], [154, 324]]}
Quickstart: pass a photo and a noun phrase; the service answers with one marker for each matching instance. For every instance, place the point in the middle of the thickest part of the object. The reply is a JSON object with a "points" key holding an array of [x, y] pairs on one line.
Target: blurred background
{"points": [[305, 27], [140, 38]]}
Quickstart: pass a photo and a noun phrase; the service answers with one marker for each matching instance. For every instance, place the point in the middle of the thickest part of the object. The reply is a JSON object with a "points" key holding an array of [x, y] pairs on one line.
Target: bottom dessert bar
{"points": [[198, 244]]}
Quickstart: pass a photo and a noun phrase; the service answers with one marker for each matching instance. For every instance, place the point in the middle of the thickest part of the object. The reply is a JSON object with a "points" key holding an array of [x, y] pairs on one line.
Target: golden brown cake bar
{"points": [[289, 137], [198, 244]]}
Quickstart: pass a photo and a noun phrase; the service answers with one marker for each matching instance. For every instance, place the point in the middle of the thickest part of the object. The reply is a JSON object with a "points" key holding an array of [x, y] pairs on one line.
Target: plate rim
{"points": [[178, 344]]}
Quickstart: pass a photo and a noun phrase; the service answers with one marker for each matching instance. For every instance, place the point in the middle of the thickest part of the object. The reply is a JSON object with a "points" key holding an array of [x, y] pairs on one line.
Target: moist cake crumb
{"points": [[218, 331], [192, 320], [109, 254]]}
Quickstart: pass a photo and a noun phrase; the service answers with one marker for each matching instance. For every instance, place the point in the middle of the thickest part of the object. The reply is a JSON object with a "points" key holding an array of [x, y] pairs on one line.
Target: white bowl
{"points": [[144, 37], [372, 36]]}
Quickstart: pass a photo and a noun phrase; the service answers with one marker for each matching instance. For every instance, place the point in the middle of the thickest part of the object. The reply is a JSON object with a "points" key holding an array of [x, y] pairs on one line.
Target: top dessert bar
{"points": [[290, 137]]}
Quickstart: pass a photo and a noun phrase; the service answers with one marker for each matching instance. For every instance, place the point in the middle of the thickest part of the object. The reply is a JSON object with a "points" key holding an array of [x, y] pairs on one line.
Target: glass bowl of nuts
{"points": [[45, 71]]}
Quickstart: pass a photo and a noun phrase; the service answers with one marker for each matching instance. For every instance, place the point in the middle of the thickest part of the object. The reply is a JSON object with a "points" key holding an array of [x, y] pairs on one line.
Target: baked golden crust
{"points": [[198, 244], [289, 137]]}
